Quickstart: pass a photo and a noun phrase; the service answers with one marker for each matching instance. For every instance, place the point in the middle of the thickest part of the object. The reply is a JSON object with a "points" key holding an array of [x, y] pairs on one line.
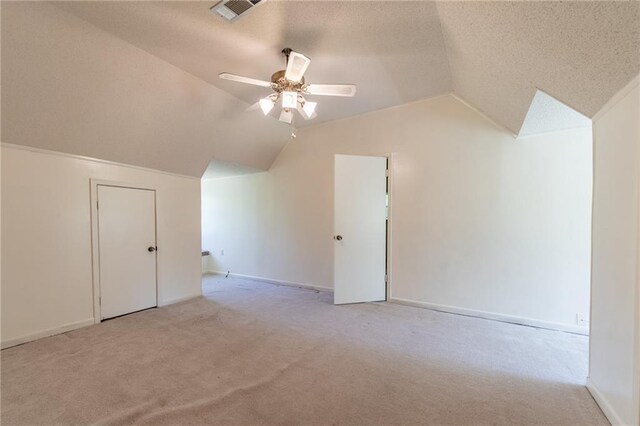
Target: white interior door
{"points": [[360, 229], [127, 250]]}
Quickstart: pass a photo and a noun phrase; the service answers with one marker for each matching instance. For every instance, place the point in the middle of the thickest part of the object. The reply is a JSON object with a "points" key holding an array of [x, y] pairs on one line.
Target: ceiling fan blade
{"points": [[286, 115], [347, 90], [296, 67], [247, 80]]}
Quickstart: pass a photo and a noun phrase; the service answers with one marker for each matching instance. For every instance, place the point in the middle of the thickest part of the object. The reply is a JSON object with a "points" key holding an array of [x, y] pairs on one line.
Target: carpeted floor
{"points": [[254, 353]]}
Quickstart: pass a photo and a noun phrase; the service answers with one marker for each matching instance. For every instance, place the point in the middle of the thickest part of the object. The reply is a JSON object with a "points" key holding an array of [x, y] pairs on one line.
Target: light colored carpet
{"points": [[255, 353]]}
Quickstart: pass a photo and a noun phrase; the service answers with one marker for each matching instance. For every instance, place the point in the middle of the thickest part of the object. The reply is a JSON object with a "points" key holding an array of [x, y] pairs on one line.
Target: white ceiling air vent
{"points": [[232, 9]]}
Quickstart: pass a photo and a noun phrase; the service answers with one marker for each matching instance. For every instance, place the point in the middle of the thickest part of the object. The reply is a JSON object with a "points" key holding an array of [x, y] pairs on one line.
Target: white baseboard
{"points": [[493, 316], [46, 333], [178, 299], [273, 281], [442, 308], [606, 408], [72, 326]]}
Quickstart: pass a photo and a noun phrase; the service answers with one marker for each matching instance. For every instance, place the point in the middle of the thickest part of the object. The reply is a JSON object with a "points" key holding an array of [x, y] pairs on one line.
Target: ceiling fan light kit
{"points": [[290, 87], [286, 115], [266, 104], [308, 109], [289, 99]]}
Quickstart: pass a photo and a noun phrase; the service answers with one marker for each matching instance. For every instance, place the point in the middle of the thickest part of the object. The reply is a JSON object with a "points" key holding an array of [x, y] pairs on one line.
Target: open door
{"points": [[360, 229]]}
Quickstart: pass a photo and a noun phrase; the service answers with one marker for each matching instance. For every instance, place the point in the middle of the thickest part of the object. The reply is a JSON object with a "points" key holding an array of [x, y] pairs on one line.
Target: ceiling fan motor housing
{"points": [[281, 84]]}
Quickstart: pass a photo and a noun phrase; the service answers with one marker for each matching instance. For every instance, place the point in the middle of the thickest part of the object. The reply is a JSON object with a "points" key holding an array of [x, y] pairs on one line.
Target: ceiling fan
{"points": [[290, 87]]}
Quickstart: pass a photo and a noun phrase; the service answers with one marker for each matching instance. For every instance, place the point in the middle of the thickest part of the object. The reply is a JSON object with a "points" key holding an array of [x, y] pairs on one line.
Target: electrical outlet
{"points": [[222, 252], [581, 320]]}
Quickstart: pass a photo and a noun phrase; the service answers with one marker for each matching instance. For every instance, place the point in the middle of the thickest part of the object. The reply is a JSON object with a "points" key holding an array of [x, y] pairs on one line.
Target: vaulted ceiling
{"points": [[69, 87], [494, 55], [393, 51], [499, 53]]}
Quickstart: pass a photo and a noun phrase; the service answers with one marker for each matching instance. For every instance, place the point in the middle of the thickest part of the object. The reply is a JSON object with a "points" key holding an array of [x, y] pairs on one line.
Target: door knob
{"points": [[151, 249], [338, 237]]}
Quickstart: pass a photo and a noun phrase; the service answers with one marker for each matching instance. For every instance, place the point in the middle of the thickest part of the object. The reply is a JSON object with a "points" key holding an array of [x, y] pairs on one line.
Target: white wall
{"points": [[46, 239], [482, 222], [614, 373]]}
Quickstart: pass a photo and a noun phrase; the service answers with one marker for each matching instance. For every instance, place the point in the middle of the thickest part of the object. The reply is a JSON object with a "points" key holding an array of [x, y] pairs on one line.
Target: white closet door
{"points": [[360, 229], [127, 250]]}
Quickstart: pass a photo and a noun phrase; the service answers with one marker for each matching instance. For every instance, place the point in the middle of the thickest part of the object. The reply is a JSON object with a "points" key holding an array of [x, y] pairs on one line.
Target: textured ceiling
{"points": [[138, 80], [393, 51], [495, 55], [547, 114], [581, 53]]}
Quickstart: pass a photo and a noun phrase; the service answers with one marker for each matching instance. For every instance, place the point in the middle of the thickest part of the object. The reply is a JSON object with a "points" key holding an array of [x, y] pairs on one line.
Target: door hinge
{"points": [[386, 278], [100, 301], [386, 172], [97, 205]]}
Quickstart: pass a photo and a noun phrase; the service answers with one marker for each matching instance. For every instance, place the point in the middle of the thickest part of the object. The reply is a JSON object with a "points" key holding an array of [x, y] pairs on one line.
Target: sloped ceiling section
{"points": [[70, 87], [393, 51], [137, 82], [547, 114], [221, 169], [581, 53]]}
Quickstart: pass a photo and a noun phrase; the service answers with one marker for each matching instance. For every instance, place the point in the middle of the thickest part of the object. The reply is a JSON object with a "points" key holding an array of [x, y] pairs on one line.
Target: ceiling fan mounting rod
{"points": [[286, 52], [279, 81]]}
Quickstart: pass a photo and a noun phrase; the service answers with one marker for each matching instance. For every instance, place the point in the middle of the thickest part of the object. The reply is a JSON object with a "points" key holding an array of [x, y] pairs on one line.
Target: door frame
{"points": [[95, 241], [390, 172]]}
